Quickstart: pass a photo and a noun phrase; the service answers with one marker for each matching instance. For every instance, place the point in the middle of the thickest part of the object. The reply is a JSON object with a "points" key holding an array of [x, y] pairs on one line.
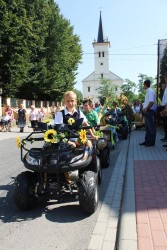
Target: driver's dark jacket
{"points": [[75, 116]]}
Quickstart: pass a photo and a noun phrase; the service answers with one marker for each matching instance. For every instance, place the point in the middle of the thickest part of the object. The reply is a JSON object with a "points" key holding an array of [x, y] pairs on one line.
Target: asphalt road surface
{"points": [[50, 225]]}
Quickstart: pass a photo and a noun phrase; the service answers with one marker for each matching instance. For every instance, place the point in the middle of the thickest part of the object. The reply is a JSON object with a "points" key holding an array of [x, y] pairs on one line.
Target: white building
{"points": [[92, 82]]}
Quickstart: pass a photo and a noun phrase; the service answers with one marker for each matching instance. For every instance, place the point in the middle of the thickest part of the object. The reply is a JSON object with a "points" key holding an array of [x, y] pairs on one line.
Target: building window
{"points": [[88, 89], [116, 88], [102, 75], [99, 54], [103, 54], [101, 63]]}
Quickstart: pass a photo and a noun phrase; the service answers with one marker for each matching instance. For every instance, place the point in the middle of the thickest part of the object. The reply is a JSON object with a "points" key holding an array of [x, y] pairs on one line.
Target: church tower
{"points": [[101, 53], [92, 83]]}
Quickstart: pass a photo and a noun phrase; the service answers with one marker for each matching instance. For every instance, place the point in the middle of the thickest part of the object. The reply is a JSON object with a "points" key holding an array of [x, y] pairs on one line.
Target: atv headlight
{"points": [[31, 160]]}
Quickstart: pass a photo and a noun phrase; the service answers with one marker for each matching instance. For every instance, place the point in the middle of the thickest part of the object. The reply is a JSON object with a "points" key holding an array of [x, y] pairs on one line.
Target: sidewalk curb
{"points": [[104, 235]]}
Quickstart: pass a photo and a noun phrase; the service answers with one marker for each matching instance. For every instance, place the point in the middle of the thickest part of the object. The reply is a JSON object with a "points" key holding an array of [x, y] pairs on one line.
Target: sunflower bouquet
{"points": [[82, 137], [46, 120], [19, 142], [52, 136]]}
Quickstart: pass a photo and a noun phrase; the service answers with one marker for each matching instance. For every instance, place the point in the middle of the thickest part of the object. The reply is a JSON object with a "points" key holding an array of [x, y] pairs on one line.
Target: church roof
{"points": [[100, 38], [112, 76]]}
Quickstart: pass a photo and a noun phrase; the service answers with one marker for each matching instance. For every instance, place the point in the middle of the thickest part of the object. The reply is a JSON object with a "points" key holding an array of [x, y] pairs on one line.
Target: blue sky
{"points": [[133, 28]]}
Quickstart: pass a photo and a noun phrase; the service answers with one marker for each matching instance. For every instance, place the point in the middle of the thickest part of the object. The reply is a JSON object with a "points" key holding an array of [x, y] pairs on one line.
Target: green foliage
{"points": [[163, 66], [107, 90], [141, 91], [79, 96], [128, 89], [39, 52]]}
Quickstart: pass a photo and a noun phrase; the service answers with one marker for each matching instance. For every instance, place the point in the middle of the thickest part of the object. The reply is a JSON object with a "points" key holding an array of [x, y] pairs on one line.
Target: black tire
{"points": [[100, 176], [124, 133], [88, 192], [105, 158], [24, 193]]}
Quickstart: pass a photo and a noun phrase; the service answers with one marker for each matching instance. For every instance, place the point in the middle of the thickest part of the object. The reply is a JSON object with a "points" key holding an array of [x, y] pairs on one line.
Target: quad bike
{"points": [[118, 125], [58, 169]]}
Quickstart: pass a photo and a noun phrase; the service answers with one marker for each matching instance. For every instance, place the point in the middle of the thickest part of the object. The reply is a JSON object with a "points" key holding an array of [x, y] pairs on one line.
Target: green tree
{"points": [[39, 52], [128, 89], [79, 96], [163, 66], [163, 71], [63, 52], [14, 51], [107, 90], [141, 91]]}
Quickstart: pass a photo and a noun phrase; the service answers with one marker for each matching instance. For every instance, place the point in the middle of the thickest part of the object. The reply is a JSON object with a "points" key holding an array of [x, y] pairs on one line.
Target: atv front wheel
{"points": [[88, 192], [24, 191]]}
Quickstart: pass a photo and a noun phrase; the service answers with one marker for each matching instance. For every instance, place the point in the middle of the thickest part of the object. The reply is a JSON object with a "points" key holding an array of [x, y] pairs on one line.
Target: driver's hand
{"points": [[95, 137]]}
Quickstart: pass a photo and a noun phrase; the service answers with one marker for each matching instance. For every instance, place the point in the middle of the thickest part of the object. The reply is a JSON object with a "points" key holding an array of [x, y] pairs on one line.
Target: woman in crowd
{"points": [[33, 118], [21, 118], [41, 114], [9, 111]]}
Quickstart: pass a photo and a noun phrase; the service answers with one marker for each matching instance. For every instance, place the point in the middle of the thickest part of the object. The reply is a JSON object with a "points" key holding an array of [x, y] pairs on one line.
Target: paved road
{"points": [[50, 225]]}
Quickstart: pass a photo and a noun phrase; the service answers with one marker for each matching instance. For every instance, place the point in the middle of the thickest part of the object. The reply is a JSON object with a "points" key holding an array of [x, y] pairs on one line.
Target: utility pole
{"points": [[158, 71]]}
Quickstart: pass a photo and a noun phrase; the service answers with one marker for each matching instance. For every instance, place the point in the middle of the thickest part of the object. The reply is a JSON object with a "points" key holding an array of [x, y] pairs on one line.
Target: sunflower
{"points": [[82, 136], [46, 120], [18, 141], [50, 136], [71, 121]]}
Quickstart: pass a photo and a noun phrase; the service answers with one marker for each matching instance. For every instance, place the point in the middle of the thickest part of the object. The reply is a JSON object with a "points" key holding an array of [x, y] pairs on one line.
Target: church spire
{"points": [[100, 38]]}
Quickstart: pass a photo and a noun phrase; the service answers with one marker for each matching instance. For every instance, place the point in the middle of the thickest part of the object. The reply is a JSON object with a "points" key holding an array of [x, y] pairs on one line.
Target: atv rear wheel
{"points": [[105, 157], [124, 133], [88, 192], [24, 191]]}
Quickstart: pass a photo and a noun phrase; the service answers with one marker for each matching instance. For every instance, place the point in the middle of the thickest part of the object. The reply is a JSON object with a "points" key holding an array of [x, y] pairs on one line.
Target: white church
{"points": [[92, 82]]}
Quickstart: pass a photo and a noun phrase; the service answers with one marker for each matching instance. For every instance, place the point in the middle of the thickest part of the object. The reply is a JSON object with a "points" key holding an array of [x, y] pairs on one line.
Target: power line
{"points": [[127, 54]]}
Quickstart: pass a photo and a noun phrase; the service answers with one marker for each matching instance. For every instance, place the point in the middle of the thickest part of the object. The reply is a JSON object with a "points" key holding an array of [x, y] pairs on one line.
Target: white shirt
{"points": [[137, 108], [59, 116], [33, 115], [150, 97], [164, 98], [5, 118]]}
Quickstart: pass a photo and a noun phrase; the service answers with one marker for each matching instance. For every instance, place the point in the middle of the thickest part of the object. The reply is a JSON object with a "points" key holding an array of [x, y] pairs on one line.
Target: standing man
{"points": [[149, 108], [163, 106]]}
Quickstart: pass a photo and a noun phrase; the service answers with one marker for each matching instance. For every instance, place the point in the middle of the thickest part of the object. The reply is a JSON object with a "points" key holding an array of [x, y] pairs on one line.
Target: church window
{"points": [[102, 75], [99, 54], [103, 54], [116, 88], [101, 63], [88, 89]]}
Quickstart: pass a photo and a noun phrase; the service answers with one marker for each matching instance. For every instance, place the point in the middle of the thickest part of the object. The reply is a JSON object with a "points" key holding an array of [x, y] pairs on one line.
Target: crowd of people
{"points": [[8, 118], [136, 113]]}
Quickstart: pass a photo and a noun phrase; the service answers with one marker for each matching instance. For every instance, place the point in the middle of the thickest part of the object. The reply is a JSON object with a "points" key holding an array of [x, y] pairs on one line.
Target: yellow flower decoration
{"points": [[71, 121], [50, 136], [18, 141], [82, 136], [46, 121]]}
